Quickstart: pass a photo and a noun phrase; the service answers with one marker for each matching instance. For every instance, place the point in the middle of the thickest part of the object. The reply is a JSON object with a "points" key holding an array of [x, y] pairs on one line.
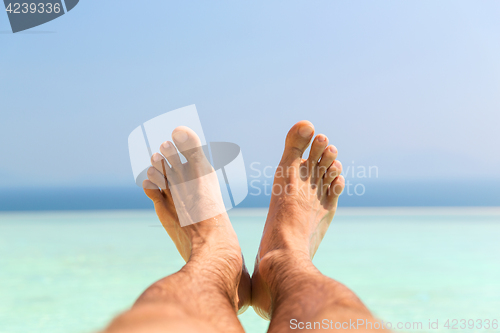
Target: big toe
{"points": [[297, 141], [188, 143]]}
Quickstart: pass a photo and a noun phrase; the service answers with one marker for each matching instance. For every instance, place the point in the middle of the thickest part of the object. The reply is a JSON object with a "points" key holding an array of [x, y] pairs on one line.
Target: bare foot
{"points": [[212, 241], [303, 203]]}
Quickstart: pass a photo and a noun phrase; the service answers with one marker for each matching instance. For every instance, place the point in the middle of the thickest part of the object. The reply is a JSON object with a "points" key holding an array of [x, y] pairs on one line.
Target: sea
{"points": [[417, 269]]}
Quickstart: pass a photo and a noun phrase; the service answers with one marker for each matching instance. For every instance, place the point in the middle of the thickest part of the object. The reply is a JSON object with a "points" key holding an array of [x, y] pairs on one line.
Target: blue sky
{"points": [[411, 87]]}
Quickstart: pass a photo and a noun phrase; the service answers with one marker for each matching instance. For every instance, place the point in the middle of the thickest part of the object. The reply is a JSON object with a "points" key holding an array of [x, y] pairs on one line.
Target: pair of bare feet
{"points": [[285, 285], [297, 221]]}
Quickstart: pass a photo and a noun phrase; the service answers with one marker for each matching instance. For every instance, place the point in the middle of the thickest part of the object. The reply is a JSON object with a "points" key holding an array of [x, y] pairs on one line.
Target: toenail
{"points": [[156, 157], [321, 138], [166, 145], [305, 131], [333, 149], [180, 136]]}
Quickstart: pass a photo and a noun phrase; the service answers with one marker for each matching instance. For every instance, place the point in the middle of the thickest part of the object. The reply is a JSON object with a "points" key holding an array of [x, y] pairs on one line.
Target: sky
{"points": [[409, 87]]}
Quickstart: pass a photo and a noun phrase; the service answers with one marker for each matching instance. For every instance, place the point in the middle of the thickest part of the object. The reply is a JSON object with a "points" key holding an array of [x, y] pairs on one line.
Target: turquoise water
{"points": [[73, 271]]}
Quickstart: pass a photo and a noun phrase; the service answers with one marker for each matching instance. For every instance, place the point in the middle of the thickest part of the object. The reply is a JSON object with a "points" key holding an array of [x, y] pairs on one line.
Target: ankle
{"points": [[277, 267], [220, 273]]}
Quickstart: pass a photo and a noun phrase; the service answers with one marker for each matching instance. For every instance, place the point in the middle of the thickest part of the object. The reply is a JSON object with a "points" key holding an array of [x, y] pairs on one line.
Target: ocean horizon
{"points": [[444, 193], [73, 271]]}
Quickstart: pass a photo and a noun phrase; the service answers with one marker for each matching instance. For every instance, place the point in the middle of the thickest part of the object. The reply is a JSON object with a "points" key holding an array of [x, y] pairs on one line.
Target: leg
{"points": [[206, 294], [199, 298], [286, 287]]}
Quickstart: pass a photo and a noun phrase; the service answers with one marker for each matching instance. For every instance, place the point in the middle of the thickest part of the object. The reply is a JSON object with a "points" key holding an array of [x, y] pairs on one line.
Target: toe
{"points": [[168, 150], [297, 141], [157, 178], [333, 172], [152, 191], [160, 164], [317, 148], [329, 155], [189, 144], [335, 189]]}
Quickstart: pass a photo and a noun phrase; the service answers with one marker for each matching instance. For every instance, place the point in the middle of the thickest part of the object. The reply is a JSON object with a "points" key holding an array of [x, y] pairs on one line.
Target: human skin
{"points": [[285, 284], [207, 293]]}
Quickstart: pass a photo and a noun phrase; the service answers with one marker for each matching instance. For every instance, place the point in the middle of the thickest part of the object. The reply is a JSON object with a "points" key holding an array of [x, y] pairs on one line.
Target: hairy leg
{"points": [[206, 294], [201, 297], [286, 286]]}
